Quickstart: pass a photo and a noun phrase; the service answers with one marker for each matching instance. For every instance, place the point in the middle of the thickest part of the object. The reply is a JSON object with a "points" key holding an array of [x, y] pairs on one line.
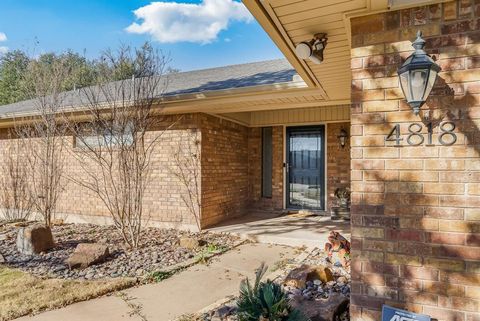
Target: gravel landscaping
{"points": [[159, 249], [316, 289], [315, 294]]}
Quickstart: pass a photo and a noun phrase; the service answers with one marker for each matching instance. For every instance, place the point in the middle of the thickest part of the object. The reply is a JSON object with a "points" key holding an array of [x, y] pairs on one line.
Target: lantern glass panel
{"points": [[418, 81], [431, 81], [404, 84]]}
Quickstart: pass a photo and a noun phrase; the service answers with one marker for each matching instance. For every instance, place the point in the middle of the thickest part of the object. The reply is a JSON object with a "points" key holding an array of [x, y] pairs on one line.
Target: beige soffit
{"points": [[289, 22]]}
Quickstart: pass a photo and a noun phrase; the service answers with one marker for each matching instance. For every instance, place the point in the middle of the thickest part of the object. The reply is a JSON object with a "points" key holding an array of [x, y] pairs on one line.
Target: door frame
{"points": [[286, 139]]}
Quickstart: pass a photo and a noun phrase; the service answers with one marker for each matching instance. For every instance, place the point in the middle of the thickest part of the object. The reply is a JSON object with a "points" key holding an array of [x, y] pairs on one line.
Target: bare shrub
{"points": [[119, 133], [43, 136]]}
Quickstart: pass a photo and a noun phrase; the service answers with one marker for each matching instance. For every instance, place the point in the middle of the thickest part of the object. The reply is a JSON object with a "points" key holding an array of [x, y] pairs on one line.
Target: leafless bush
{"points": [[15, 197], [114, 145], [187, 169], [43, 136]]}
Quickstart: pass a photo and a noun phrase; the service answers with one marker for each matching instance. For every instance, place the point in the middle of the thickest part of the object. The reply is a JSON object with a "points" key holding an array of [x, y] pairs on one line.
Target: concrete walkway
{"points": [[293, 230], [186, 292]]}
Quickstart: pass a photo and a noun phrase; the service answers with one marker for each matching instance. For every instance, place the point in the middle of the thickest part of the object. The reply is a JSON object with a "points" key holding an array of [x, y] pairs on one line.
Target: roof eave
{"points": [[187, 101]]}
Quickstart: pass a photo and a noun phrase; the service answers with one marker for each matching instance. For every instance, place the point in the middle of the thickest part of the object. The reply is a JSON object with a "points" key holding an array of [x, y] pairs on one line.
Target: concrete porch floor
{"points": [[291, 230]]}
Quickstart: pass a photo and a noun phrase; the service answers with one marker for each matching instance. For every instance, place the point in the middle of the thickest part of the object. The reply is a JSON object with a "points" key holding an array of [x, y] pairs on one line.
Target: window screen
{"points": [[267, 160]]}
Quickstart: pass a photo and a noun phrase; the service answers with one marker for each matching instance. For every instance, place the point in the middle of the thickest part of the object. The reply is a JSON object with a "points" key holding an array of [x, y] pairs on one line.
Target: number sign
{"points": [[415, 137]]}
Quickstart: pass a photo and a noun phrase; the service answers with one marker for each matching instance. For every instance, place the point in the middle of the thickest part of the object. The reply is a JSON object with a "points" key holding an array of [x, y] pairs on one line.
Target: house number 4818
{"points": [[415, 137]]}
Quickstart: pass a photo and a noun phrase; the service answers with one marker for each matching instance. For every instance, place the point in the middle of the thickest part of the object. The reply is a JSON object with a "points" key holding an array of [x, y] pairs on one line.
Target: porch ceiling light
{"points": [[418, 75], [312, 49]]}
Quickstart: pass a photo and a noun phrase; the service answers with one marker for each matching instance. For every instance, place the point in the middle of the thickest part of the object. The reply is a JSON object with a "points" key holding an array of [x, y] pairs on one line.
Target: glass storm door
{"points": [[306, 167]]}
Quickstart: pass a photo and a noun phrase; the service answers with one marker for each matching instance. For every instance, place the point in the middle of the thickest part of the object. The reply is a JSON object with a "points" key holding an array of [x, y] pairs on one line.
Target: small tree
{"points": [[15, 197], [116, 140], [43, 136], [186, 167]]}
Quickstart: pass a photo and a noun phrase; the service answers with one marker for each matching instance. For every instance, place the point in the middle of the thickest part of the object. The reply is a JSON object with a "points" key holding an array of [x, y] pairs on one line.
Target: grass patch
{"points": [[22, 293], [159, 276], [208, 251]]}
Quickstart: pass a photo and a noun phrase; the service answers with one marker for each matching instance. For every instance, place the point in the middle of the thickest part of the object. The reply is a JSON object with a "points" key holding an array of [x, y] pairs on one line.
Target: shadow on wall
{"points": [[420, 265]]}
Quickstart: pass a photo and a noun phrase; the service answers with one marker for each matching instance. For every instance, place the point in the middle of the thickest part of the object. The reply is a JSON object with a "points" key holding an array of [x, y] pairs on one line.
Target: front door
{"points": [[306, 167]]}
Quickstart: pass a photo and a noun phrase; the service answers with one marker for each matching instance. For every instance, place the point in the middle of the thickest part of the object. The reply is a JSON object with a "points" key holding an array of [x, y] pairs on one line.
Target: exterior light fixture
{"points": [[342, 137], [417, 75], [312, 49]]}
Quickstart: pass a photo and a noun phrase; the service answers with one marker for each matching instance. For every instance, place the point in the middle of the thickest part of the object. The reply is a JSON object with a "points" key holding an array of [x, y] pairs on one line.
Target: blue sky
{"points": [[196, 33]]}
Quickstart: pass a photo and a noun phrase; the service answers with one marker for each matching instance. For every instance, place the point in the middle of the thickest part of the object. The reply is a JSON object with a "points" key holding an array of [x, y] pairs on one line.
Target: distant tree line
{"points": [[16, 69]]}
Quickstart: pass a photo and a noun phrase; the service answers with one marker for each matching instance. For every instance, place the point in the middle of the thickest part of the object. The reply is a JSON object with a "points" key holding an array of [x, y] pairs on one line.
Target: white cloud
{"points": [[170, 22], [3, 49]]}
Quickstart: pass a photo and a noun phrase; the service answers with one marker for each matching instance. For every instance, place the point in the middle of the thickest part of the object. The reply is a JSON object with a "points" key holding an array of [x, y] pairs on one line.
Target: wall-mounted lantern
{"points": [[342, 137], [418, 75]]}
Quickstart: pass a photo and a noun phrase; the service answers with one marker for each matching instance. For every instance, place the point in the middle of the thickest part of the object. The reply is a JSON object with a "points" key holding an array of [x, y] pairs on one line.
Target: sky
{"points": [[196, 34]]}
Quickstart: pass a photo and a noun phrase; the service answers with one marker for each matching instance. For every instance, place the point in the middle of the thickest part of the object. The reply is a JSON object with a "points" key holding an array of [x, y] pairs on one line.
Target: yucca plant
{"points": [[265, 301]]}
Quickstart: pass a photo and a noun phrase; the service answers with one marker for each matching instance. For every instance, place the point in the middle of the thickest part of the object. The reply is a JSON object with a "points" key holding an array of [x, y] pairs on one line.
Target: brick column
{"points": [[415, 209]]}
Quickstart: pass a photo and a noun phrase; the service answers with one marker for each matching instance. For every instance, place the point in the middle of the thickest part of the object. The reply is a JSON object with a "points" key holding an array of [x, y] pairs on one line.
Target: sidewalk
{"points": [[186, 292], [261, 227]]}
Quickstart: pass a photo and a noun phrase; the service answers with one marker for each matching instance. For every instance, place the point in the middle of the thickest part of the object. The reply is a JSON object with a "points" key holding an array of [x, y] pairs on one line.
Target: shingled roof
{"points": [[191, 82]]}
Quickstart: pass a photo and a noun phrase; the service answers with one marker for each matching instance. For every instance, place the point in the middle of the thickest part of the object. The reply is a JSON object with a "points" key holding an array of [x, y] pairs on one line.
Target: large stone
{"points": [[87, 254], [34, 239], [298, 277], [2, 259], [189, 243], [321, 309]]}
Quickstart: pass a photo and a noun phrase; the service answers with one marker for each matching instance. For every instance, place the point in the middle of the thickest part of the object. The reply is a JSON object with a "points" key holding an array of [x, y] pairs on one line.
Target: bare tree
{"points": [[44, 136], [15, 197], [120, 133], [186, 167]]}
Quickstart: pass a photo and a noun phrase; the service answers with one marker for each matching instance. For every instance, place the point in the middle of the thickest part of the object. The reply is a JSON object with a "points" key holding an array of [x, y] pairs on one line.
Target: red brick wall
{"points": [[224, 169], [338, 162], [163, 204], [415, 213], [255, 169], [224, 175]]}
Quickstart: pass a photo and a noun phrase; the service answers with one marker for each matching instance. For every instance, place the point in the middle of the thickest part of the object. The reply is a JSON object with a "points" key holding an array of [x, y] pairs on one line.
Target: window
{"points": [[267, 161], [106, 137]]}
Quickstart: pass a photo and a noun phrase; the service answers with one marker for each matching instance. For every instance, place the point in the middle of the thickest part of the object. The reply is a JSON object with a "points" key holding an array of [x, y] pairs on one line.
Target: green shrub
{"points": [[265, 301]]}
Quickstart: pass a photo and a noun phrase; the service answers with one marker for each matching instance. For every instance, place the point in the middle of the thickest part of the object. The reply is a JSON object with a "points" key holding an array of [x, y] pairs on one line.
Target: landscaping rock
{"points": [[320, 272], [58, 221], [321, 309], [2, 259], [189, 243], [224, 311], [87, 254], [34, 239], [158, 249], [298, 277]]}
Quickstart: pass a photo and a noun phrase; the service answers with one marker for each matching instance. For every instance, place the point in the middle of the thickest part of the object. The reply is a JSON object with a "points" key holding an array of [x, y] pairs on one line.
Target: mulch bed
{"points": [[159, 249]]}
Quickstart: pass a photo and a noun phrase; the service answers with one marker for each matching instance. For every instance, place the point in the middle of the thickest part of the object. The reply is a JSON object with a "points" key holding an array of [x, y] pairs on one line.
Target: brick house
{"points": [[243, 146], [269, 140]]}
